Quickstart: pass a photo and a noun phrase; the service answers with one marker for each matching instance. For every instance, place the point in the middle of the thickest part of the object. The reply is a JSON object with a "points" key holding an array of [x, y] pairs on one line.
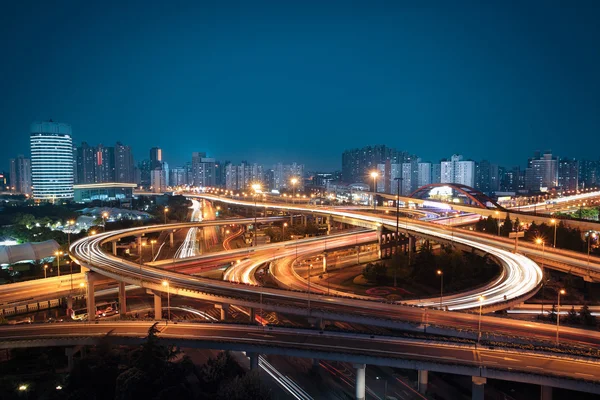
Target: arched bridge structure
{"points": [[455, 193]]}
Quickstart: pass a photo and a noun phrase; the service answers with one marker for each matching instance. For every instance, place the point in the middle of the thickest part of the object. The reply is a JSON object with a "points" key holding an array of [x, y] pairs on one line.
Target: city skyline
{"points": [[292, 84]]}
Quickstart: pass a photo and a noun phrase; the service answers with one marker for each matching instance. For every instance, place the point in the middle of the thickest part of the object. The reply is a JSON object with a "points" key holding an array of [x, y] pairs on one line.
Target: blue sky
{"points": [[301, 81]]}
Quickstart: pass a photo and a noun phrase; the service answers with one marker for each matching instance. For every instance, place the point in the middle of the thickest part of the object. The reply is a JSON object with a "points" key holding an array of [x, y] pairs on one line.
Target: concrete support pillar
{"points": [[328, 221], [89, 295], [379, 239], [252, 315], [545, 392], [69, 302], [122, 299], [253, 361], [171, 239], [114, 248], [291, 220], [360, 381], [223, 307], [423, 381], [411, 246], [70, 352], [157, 307], [478, 388], [304, 220]]}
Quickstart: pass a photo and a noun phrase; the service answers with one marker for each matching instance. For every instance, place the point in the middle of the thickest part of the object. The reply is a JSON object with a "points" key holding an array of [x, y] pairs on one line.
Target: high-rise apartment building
{"points": [[589, 173], [51, 160], [105, 164], [568, 174], [424, 175], [358, 163], [203, 170], [124, 171], [20, 175], [458, 171], [541, 172], [85, 164], [178, 176]]}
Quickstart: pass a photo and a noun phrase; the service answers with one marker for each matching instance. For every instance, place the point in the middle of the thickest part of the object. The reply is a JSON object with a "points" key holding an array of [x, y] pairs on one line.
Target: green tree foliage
{"points": [[375, 272], [243, 387], [507, 226], [586, 316]]}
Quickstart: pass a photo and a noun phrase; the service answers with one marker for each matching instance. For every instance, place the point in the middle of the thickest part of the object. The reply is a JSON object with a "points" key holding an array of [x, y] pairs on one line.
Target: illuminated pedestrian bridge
{"points": [[455, 193]]}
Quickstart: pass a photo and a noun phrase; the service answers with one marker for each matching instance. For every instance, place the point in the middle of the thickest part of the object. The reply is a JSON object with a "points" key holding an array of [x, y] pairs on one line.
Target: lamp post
{"points": [[541, 241], [152, 242], [563, 292], [104, 217], [555, 223], [58, 254], [92, 233], [70, 223], [283, 233], [45, 270], [309, 270], [441, 275], [142, 245], [256, 187], [166, 211], [480, 307], [294, 181], [374, 175], [166, 284], [498, 221], [590, 237], [384, 386]]}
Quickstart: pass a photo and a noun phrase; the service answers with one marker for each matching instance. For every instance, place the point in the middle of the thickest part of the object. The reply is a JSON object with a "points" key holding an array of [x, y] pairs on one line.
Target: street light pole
{"points": [[294, 181], [397, 225], [152, 245], [555, 224], [561, 291], [374, 175], [45, 271], [480, 307], [441, 275], [541, 241], [590, 236], [166, 211], [166, 284], [256, 188], [58, 254]]}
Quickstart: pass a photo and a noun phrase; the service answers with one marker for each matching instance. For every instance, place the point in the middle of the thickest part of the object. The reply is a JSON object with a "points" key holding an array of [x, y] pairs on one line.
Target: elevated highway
{"points": [[481, 362]]}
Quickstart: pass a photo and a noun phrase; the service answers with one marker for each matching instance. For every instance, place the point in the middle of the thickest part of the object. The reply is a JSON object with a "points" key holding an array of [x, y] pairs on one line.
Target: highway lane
{"points": [[522, 275], [325, 345]]}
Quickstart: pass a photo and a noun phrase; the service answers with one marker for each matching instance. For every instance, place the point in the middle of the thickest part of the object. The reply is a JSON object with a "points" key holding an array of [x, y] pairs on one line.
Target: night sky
{"points": [[302, 81]]}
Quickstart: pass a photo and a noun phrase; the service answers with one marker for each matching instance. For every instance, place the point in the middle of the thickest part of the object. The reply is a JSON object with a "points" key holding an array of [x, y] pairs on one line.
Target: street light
{"points": [[555, 223], [590, 237], [45, 270], [563, 292], [441, 275], [541, 241], [294, 181], [374, 175], [166, 211], [104, 217], [384, 386], [166, 284], [480, 307], [498, 221], [256, 187], [285, 224], [70, 223], [152, 242], [60, 253]]}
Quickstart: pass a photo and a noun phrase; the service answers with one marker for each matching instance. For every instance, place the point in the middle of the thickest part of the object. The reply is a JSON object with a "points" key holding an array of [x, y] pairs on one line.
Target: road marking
{"points": [[579, 373], [260, 335]]}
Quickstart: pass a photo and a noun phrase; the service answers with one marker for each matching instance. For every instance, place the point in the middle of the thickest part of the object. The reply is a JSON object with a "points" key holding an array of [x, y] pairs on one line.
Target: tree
{"points": [[399, 265], [586, 316], [552, 313], [375, 272], [244, 387], [572, 316], [507, 227]]}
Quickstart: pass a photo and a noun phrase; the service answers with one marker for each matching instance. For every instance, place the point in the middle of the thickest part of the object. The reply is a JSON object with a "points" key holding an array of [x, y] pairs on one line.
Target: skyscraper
{"points": [[85, 164], [203, 170], [541, 172], [105, 164], [20, 175], [568, 174], [155, 158], [51, 160], [123, 164]]}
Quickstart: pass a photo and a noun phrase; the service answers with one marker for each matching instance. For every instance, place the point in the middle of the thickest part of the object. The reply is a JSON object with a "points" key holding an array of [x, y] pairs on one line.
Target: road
{"points": [[324, 345]]}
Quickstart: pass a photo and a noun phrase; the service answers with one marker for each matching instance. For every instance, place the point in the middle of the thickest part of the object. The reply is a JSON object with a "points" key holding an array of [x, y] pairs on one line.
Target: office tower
{"points": [[458, 171], [541, 172], [20, 175], [568, 174], [51, 160], [123, 163], [155, 158]]}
